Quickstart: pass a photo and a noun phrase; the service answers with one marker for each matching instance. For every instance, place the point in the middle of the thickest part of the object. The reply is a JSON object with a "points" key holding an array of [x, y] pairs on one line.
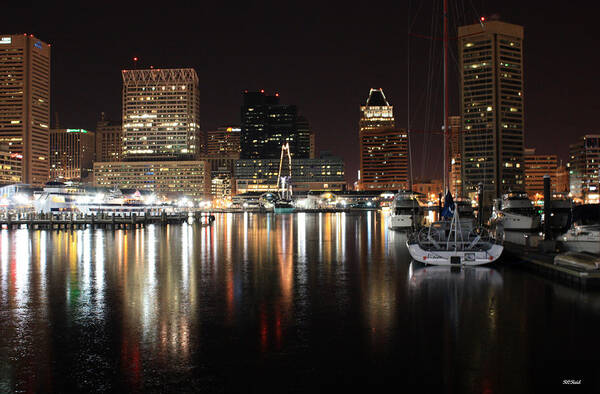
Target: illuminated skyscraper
{"points": [[454, 155], [160, 114], [72, 154], [225, 141], [491, 89], [383, 148], [161, 136], [25, 103], [267, 125], [109, 140], [584, 168], [536, 166]]}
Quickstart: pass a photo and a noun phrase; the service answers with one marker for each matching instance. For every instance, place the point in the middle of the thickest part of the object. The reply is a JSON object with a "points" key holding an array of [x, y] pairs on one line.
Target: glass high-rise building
{"points": [[160, 114], [72, 153], [267, 125], [491, 94], [383, 148], [25, 103]]}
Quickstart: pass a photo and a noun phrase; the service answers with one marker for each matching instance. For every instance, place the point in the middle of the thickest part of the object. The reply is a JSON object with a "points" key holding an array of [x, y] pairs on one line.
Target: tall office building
{"points": [[10, 166], [225, 141], [267, 125], [109, 140], [584, 168], [25, 103], [160, 114], [491, 94], [72, 153], [454, 148], [161, 136], [536, 167], [383, 148]]}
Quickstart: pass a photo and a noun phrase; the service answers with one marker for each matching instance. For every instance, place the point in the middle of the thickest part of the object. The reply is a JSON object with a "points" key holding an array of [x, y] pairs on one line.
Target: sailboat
{"points": [[284, 202], [448, 241]]}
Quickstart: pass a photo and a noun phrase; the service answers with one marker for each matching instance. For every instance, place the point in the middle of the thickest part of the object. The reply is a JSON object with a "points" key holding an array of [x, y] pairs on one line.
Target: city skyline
{"points": [[311, 63]]}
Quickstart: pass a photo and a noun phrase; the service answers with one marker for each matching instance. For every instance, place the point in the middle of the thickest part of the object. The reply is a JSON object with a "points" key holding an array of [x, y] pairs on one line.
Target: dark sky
{"points": [[322, 56]]}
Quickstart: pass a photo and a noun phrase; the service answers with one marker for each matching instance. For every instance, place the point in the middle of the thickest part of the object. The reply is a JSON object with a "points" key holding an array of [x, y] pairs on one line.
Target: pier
{"points": [[579, 270], [73, 221]]}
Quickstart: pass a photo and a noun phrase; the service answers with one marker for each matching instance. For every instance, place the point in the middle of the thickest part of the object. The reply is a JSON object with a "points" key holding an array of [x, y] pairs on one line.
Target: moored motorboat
{"points": [[405, 212], [515, 211], [584, 232]]}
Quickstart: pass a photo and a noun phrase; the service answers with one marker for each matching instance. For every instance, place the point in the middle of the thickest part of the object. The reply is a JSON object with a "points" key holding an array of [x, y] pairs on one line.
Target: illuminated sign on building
{"points": [[5, 40], [76, 131], [38, 45]]}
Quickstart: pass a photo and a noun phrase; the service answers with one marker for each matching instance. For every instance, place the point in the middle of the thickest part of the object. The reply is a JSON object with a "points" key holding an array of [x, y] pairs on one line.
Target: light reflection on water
{"points": [[264, 295]]}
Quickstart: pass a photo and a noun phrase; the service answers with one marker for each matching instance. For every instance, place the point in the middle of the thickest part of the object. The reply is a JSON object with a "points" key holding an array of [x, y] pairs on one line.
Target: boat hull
{"points": [[401, 222], [583, 246], [519, 222], [454, 258]]}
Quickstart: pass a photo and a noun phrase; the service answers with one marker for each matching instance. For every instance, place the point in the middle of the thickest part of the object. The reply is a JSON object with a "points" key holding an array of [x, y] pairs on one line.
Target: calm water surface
{"points": [[262, 302]]}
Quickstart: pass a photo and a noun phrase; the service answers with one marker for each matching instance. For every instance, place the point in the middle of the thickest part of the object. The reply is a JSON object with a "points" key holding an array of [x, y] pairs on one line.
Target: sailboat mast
{"points": [[445, 97]]}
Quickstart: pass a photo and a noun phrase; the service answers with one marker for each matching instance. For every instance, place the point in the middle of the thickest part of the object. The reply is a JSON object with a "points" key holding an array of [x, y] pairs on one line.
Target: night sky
{"points": [[321, 56]]}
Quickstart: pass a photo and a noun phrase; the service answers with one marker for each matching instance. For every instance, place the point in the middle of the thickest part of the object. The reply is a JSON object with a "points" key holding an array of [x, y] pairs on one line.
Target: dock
{"points": [[73, 221], [574, 269]]}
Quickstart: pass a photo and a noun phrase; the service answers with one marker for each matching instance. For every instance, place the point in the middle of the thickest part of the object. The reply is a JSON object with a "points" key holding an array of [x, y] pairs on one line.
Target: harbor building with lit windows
{"points": [[168, 179], [492, 111], [383, 148], [72, 153], [25, 103], [161, 114], [323, 174]]}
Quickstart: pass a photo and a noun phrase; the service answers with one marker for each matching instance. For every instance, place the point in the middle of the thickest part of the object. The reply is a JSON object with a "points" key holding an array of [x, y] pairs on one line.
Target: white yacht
{"points": [[58, 197], [405, 212], [515, 211], [584, 232]]}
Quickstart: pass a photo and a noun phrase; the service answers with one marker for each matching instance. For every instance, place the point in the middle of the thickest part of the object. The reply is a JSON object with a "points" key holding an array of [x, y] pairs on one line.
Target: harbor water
{"points": [[262, 302]]}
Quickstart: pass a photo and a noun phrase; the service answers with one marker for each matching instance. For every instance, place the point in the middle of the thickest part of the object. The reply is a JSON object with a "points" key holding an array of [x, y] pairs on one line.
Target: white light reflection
{"points": [[149, 286], [41, 252], [342, 230], [4, 262], [185, 245], [301, 223], [99, 270], [84, 251], [22, 263]]}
